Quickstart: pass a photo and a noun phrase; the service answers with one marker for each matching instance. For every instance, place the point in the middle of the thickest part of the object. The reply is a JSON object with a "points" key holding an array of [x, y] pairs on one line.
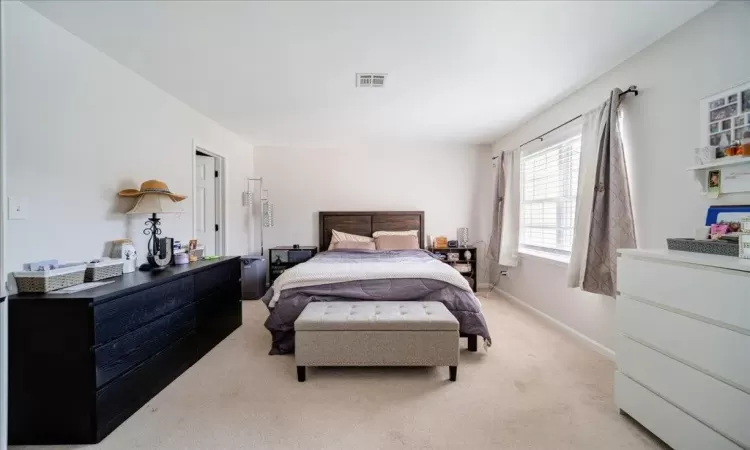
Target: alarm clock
{"points": [[452, 244]]}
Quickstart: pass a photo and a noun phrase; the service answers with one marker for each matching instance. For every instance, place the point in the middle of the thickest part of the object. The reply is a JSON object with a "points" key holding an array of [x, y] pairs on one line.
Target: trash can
{"points": [[253, 277]]}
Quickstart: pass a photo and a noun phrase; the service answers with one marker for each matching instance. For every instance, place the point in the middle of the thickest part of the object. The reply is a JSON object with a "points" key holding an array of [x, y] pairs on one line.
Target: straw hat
{"points": [[152, 187]]}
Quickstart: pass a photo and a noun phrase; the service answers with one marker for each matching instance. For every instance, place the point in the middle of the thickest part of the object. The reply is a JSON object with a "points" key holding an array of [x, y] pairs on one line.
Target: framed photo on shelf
{"points": [[453, 257], [714, 181]]}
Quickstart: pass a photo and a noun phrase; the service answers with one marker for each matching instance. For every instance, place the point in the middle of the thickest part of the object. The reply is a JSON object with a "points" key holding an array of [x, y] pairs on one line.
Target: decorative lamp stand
{"points": [[154, 197]]}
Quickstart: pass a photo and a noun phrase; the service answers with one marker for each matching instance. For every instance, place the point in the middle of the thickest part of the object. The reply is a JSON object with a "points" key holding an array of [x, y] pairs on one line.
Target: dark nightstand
{"points": [[471, 276], [282, 258]]}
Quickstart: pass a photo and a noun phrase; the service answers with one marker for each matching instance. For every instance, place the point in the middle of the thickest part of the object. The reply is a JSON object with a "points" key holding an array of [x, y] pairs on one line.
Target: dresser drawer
{"points": [[125, 395], [709, 400], [716, 350], [209, 280], [673, 426], [716, 294], [218, 315], [116, 357], [117, 317]]}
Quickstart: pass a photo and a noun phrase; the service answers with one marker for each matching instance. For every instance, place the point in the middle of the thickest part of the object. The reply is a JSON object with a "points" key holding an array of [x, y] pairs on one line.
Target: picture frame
{"points": [[714, 181], [453, 257], [725, 118]]}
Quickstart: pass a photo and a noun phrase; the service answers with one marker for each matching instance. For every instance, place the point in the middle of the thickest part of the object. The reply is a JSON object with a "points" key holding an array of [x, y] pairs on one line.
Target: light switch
{"points": [[17, 208]]}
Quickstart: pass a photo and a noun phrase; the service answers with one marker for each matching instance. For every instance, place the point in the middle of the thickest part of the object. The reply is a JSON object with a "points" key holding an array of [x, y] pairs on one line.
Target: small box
{"points": [[745, 246], [744, 238]]}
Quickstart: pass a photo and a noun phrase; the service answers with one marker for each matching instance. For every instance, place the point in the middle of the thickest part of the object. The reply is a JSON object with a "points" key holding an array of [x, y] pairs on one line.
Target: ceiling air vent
{"points": [[371, 79]]}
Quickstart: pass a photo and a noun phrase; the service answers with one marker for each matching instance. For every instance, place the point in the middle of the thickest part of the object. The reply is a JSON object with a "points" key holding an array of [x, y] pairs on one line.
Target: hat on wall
{"points": [[152, 187]]}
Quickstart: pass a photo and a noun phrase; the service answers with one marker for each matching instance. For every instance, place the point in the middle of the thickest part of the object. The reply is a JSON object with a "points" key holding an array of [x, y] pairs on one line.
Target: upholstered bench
{"points": [[376, 334]]}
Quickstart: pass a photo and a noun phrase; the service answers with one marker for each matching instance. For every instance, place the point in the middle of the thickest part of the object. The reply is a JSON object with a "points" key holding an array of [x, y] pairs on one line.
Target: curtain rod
{"points": [[632, 89]]}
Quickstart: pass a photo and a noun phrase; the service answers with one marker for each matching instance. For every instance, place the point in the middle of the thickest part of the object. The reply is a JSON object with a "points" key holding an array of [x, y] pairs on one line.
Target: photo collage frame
{"points": [[727, 118]]}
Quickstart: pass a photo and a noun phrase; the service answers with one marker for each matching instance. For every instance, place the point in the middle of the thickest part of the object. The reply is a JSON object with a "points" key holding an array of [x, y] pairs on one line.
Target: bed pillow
{"points": [[338, 236], [354, 245], [391, 242], [395, 233]]}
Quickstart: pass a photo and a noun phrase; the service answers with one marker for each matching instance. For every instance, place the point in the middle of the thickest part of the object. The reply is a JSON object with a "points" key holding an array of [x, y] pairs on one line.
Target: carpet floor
{"points": [[534, 389]]}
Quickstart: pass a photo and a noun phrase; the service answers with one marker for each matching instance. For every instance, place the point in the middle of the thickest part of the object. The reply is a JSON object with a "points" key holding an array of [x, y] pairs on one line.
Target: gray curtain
{"points": [[612, 224], [493, 250]]}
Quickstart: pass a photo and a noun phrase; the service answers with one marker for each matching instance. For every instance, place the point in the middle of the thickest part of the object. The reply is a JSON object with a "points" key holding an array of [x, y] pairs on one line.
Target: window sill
{"points": [[547, 258]]}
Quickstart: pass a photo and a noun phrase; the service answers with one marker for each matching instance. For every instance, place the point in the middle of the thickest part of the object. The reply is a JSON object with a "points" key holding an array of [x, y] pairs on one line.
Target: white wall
{"points": [[705, 56], [3, 212], [442, 182], [81, 127]]}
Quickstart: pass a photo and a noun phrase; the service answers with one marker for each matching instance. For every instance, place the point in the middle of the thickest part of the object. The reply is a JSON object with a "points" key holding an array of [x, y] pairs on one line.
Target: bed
{"points": [[362, 275]]}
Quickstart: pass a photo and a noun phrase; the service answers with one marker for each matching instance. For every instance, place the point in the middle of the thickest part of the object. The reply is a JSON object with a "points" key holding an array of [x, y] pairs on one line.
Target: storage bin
{"points": [[710, 247], [104, 269], [50, 280]]}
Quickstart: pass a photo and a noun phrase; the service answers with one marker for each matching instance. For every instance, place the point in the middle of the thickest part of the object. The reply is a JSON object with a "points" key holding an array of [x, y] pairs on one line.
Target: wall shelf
{"points": [[723, 162], [735, 175]]}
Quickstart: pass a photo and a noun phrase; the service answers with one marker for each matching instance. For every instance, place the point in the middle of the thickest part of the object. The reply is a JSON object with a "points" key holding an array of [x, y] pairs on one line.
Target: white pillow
{"points": [[395, 233], [338, 236]]}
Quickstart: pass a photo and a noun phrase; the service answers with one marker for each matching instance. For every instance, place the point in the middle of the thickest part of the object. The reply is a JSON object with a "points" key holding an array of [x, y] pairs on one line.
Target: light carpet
{"points": [[534, 389]]}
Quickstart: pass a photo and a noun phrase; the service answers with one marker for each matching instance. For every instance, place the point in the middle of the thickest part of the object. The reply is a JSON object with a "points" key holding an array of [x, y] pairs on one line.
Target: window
{"points": [[549, 185]]}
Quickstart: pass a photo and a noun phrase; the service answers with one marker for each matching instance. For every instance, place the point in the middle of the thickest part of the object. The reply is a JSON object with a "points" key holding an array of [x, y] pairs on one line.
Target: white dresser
{"points": [[683, 351]]}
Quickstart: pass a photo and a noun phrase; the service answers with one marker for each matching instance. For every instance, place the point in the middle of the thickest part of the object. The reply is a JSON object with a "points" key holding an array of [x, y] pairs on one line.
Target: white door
{"points": [[205, 203]]}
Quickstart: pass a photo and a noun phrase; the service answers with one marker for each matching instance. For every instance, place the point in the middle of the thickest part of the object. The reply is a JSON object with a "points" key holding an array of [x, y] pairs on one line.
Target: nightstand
{"points": [[282, 258], [461, 261]]}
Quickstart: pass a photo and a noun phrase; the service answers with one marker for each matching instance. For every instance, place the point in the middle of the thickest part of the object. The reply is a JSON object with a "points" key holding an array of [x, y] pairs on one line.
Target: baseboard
{"points": [[483, 285], [578, 336]]}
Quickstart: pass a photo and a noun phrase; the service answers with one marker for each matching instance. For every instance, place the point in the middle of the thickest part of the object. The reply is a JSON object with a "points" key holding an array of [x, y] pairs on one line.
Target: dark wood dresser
{"points": [[80, 364]]}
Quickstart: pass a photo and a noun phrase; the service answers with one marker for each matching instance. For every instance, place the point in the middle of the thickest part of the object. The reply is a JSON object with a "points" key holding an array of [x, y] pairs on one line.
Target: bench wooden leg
{"points": [[453, 372], [300, 373], [472, 342]]}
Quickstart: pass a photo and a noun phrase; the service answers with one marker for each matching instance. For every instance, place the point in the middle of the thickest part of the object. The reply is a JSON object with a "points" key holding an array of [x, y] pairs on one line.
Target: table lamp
{"points": [[154, 197]]}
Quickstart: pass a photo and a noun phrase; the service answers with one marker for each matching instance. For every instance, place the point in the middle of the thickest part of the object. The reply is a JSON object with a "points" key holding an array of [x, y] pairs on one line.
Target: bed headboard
{"points": [[364, 223]]}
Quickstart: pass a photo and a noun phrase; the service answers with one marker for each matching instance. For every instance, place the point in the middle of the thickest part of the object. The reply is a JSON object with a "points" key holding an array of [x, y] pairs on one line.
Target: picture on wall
{"points": [[726, 118], [741, 133], [724, 112], [716, 103], [716, 140]]}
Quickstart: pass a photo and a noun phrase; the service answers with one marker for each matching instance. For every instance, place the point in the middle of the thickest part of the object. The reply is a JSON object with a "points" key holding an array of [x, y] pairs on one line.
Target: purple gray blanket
{"points": [[463, 304]]}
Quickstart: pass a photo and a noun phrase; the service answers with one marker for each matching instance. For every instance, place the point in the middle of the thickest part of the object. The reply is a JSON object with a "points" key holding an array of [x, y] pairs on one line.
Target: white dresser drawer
{"points": [[716, 350], [709, 400], [673, 426], [717, 294]]}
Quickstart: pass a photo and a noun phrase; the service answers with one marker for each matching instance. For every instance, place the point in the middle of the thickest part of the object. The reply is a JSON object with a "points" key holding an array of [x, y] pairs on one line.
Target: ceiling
{"points": [[283, 73]]}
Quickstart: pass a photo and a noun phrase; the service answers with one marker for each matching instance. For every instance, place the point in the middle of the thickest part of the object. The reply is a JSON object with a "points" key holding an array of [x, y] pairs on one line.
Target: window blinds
{"points": [[549, 184]]}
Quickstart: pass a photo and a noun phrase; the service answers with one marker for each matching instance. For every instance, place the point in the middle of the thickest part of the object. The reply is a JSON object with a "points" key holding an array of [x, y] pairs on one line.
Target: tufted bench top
{"points": [[376, 316]]}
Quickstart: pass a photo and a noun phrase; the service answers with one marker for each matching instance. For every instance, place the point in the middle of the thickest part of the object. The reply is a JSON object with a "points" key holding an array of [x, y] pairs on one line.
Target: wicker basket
{"points": [[103, 270], [49, 280]]}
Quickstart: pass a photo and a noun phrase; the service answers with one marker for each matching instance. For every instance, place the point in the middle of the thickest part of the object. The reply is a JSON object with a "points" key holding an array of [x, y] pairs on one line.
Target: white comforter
{"points": [[341, 267]]}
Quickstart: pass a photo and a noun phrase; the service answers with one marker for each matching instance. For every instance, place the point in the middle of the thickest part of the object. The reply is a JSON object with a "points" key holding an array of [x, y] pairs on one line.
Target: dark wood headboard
{"points": [[364, 223]]}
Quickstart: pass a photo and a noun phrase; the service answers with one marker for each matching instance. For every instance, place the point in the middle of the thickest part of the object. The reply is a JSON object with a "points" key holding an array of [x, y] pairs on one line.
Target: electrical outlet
{"points": [[17, 208]]}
